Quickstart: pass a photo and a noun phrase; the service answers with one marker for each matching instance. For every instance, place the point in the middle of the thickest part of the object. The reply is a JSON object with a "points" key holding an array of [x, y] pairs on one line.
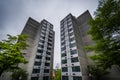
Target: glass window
{"points": [[69, 30], [50, 36], [49, 48], [76, 69], [48, 53], [77, 78], [72, 45], [46, 70], [42, 37], [64, 69], [38, 57], [64, 54], [73, 51], [70, 34], [47, 64], [63, 48], [34, 78], [75, 59], [64, 77], [49, 44], [63, 43], [37, 63], [49, 40], [47, 58], [42, 41], [64, 61], [41, 46], [45, 78], [72, 39], [40, 51], [62, 38], [36, 71]]}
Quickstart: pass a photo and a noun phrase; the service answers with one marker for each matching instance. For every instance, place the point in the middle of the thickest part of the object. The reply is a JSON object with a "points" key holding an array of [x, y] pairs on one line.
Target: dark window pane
{"points": [[37, 63], [72, 45], [46, 70], [71, 39], [36, 71], [34, 78], [64, 61], [64, 54], [38, 57], [40, 51], [73, 51], [48, 53], [45, 78], [64, 77], [63, 48], [76, 69], [64, 69], [77, 78], [47, 64], [47, 58], [75, 59]]}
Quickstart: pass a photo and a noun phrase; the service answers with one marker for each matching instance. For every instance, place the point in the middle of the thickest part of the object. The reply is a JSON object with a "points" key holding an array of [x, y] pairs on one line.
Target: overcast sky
{"points": [[14, 14]]}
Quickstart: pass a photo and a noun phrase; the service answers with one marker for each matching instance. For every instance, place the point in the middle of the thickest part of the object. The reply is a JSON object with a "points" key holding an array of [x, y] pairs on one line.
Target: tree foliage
{"points": [[96, 72], [19, 74], [105, 32], [10, 52], [57, 74]]}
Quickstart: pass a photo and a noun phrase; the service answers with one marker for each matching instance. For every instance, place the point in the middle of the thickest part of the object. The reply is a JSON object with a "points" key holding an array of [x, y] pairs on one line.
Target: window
{"points": [[63, 43], [37, 63], [46, 70], [42, 41], [45, 78], [64, 77], [76, 69], [63, 38], [36, 71], [64, 69], [38, 57], [42, 37], [49, 44], [75, 59], [43, 33], [47, 64], [47, 58], [41, 46], [63, 33], [72, 39], [72, 45], [34, 78], [69, 30], [40, 51], [49, 48], [64, 61], [50, 36], [70, 34], [64, 54], [77, 78], [49, 40], [73, 51], [48, 53], [63, 48]]}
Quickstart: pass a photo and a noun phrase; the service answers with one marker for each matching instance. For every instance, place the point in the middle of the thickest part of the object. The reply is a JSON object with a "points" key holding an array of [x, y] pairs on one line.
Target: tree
{"points": [[10, 52], [57, 74], [19, 74], [96, 72], [105, 32]]}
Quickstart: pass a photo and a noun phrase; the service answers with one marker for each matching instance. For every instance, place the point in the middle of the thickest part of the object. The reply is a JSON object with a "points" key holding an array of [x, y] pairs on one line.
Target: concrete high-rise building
{"points": [[40, 52], [74, 37]]}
